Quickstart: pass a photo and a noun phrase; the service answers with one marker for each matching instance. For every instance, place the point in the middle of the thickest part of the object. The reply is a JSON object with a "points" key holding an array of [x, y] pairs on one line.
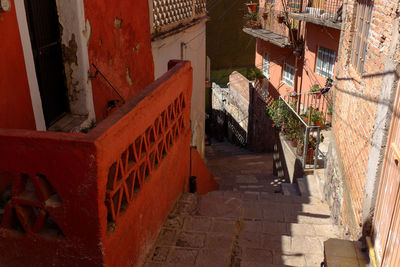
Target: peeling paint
{"points": [[118, 23], [69, 52], [128, 77]]}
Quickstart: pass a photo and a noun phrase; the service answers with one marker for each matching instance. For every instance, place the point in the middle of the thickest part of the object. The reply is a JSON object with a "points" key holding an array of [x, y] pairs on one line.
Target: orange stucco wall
{"points": [[317, 36], [277, 58], [120, 46], [15, 101]]}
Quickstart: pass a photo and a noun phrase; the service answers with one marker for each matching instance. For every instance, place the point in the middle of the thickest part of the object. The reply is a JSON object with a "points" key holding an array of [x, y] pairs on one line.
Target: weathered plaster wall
{"points": [[15, 101], [120, 47], [75, 34], [193, 49]]}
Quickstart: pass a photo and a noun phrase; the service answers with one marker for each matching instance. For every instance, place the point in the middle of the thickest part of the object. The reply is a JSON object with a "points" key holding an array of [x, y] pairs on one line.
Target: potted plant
{"points": [[265, 15], [317, 118], [280, 17], [312, 145], [251, 7]]}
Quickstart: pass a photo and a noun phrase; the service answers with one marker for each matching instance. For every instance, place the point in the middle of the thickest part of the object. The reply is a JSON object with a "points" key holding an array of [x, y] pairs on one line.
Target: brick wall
{"points": [[356, 102]]}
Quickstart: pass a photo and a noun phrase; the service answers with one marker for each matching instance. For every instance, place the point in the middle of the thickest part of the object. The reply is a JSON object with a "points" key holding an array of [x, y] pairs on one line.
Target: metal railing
{"points": [[322, 9], [305, 101], [303, 107]]}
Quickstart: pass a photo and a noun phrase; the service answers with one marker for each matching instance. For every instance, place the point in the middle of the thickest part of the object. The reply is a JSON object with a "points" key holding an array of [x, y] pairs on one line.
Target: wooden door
{"points": [[46, 46], [386, 224]]}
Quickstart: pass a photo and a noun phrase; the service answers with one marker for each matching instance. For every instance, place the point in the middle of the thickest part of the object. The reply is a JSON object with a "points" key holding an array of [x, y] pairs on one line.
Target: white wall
{"points": [[194, 50]]}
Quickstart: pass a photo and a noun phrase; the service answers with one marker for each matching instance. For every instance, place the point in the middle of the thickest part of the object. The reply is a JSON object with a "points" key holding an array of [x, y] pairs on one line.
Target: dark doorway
{"points": [[46, 45]]}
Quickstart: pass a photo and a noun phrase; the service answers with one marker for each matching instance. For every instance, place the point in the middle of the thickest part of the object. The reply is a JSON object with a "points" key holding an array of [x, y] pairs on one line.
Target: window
{"points": [[288, 73], [265, 65], [363, 20], [325, 62], [295, 4]]}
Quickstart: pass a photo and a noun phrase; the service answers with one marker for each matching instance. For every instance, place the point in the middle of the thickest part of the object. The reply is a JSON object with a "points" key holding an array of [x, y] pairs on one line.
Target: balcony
{"points": [[270, 25], [322, 12], [174, 15], [97, 199]]}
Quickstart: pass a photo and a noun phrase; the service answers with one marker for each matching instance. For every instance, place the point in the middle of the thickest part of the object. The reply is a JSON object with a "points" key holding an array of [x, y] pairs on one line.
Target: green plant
{"points": [[254, 73], [316, 116], [315, 88], [281, 115]]}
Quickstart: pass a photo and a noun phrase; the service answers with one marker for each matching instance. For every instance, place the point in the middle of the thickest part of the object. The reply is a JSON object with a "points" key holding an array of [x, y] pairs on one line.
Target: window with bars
{"points": [[288, 73], [325, 62], [360, 38], [266, 65]]}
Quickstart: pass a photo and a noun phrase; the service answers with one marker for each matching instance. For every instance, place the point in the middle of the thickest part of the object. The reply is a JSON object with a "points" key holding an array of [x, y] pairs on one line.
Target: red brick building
{"points": [[367, 83]]}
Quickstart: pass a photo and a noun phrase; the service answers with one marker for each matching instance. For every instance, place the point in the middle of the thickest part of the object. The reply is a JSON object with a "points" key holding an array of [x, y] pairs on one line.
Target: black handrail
{"points": [[109, 83]]}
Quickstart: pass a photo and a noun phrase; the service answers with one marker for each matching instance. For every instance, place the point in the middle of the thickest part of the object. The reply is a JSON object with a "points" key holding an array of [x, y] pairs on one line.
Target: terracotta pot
{"points": [[318, 123], [265, 15], [293, 143], [251, 7], [261, 80], [280, 19]]}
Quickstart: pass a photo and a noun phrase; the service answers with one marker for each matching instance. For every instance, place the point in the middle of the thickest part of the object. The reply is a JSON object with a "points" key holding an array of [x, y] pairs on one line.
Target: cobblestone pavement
{"points": [[243, 226]]}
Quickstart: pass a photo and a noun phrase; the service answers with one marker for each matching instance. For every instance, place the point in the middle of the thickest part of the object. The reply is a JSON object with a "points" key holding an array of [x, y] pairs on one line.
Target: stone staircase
{"points": [[248, 222]]}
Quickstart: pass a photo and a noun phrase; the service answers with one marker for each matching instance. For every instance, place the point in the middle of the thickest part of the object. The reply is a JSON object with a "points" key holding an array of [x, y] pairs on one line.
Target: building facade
{"points": [[95, 150], [180, 33]]}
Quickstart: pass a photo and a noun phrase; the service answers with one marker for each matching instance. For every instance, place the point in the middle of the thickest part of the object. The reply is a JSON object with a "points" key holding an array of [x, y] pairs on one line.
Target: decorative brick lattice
{"points": [[128, 174], [200, 7], [166, 12], [27, 204]]}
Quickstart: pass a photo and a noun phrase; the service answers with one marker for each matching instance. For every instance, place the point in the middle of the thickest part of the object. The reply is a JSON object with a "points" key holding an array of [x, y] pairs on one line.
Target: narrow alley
{"points": [[247, 222]]}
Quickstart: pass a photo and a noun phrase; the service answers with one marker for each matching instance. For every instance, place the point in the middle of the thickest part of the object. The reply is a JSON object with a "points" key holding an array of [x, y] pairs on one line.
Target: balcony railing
{"points": [[319, 10], [170, 13]]}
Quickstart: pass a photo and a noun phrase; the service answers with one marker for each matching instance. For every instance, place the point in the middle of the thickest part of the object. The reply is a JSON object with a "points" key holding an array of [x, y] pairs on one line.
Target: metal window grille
{"points": [[288, 73], [362, 25], [266, 65], [325, 62]]}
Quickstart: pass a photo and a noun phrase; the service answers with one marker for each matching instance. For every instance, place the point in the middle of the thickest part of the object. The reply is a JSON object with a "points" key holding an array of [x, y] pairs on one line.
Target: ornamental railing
{"points": [[170, 13], [98, 198]]}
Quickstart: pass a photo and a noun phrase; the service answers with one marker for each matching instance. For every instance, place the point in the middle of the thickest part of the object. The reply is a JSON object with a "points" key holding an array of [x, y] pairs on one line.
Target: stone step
{"points": [[265, 197], [309, 186], [290, 189]]}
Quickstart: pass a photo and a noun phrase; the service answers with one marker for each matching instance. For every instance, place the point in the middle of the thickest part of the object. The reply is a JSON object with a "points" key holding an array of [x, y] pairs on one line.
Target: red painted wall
{"points": [[120, 40], [77, 168], [204, 178], [15, 100]]}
